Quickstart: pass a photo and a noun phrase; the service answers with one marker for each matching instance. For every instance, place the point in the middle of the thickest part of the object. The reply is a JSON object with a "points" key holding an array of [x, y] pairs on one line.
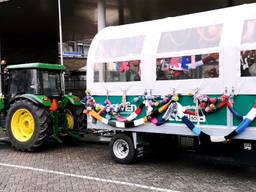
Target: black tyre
{"points": [[122, 149], [28, 125], [75, 118]]}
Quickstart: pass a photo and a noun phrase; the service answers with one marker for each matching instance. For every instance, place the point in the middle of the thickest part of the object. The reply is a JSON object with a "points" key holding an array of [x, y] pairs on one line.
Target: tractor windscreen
{"points": [[23, 81], [51, 83], [34, 81]]}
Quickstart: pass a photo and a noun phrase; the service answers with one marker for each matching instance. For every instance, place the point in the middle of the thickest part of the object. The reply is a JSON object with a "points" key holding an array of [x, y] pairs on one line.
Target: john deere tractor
{"points": [[34, 107]]}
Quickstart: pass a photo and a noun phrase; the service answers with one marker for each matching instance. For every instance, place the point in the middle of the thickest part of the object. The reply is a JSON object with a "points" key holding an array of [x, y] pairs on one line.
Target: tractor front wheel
{"points": [[28, 125]]}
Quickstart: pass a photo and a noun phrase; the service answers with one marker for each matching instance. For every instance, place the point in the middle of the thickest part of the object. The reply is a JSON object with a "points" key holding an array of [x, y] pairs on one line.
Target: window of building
{"points": [[75, 82], [73, 49], [122, 71], [188, 67], [248, 55]]}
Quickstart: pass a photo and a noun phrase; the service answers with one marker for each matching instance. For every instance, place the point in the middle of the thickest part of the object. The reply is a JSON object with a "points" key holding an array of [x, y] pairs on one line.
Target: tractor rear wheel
{"points": [[75, 124], [74, 117], [28, 126]]}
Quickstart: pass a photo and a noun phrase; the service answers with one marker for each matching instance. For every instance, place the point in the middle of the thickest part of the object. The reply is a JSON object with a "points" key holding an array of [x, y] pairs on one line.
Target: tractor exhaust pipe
{"points": [[1, 73]]}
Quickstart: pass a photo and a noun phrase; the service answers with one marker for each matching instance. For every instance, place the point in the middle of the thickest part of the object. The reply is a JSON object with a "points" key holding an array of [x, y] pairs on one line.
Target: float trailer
{"points": [[190, 76]]}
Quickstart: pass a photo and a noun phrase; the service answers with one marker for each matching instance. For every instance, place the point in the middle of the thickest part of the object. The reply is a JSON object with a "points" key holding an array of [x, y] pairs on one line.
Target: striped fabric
{"points": [[246, 121], [130, 124], [132, 116], [118, 124], [174, 107]]}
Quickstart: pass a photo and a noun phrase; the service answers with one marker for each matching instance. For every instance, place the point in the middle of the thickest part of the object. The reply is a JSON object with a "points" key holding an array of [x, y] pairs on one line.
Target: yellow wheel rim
{"points": [[22, 125], [70, 119]]}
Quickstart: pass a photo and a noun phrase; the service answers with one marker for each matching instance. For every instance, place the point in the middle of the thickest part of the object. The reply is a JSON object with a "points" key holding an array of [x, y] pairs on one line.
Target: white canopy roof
{"points": [[149, 41]]}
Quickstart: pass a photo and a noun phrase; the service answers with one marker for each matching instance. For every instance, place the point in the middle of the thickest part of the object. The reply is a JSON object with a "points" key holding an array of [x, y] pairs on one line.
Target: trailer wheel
{"points": [[122, 148], [28, 125]]}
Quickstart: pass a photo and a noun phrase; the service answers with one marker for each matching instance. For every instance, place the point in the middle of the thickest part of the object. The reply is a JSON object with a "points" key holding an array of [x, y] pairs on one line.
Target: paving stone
{"points": [[93, 160]]}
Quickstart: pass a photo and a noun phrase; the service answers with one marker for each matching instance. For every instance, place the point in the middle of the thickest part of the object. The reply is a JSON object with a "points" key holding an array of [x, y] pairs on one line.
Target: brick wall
{"points": [[74, 64]]}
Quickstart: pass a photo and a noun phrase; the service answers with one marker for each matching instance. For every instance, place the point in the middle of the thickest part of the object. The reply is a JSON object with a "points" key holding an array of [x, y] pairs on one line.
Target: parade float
{"points": [[189, 76]]}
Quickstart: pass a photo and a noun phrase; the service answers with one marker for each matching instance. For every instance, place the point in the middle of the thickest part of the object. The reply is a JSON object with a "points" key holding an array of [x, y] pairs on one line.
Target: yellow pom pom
{"points": [[175, 98], [98, 107], [212, 106]]}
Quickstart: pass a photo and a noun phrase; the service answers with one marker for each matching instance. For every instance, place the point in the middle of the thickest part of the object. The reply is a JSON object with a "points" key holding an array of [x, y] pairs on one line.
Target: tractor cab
{"points": [[36, 79]]}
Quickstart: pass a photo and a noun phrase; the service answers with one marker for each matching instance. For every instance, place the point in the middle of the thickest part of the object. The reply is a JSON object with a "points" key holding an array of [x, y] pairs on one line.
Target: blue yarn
{"points": [[197, 131], [161, 121], [189, 124], [235, 113], [243, 125]]}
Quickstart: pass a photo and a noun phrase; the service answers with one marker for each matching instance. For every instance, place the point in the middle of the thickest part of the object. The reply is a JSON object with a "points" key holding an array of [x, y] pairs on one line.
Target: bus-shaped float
{"points": [[190, 77]]}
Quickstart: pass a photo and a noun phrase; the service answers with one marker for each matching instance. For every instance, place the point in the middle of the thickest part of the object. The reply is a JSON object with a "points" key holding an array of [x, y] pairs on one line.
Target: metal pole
{"points": [[0, 49], [1, 91], [60, 33], [61, 47]]}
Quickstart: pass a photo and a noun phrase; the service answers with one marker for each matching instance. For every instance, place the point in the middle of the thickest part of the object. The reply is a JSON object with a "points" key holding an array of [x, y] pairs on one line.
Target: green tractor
{"points": [[34, 107]]}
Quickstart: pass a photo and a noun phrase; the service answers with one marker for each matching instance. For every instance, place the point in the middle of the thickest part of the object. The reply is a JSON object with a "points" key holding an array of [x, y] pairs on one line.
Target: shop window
{"points": [[248, 55], [123, 71], [188, 67], [189, 39]]}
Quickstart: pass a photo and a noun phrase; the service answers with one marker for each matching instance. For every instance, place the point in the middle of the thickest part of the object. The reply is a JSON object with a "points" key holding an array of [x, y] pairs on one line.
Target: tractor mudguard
{"points": [[37, 99], [1, 103], [74, 100]]}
